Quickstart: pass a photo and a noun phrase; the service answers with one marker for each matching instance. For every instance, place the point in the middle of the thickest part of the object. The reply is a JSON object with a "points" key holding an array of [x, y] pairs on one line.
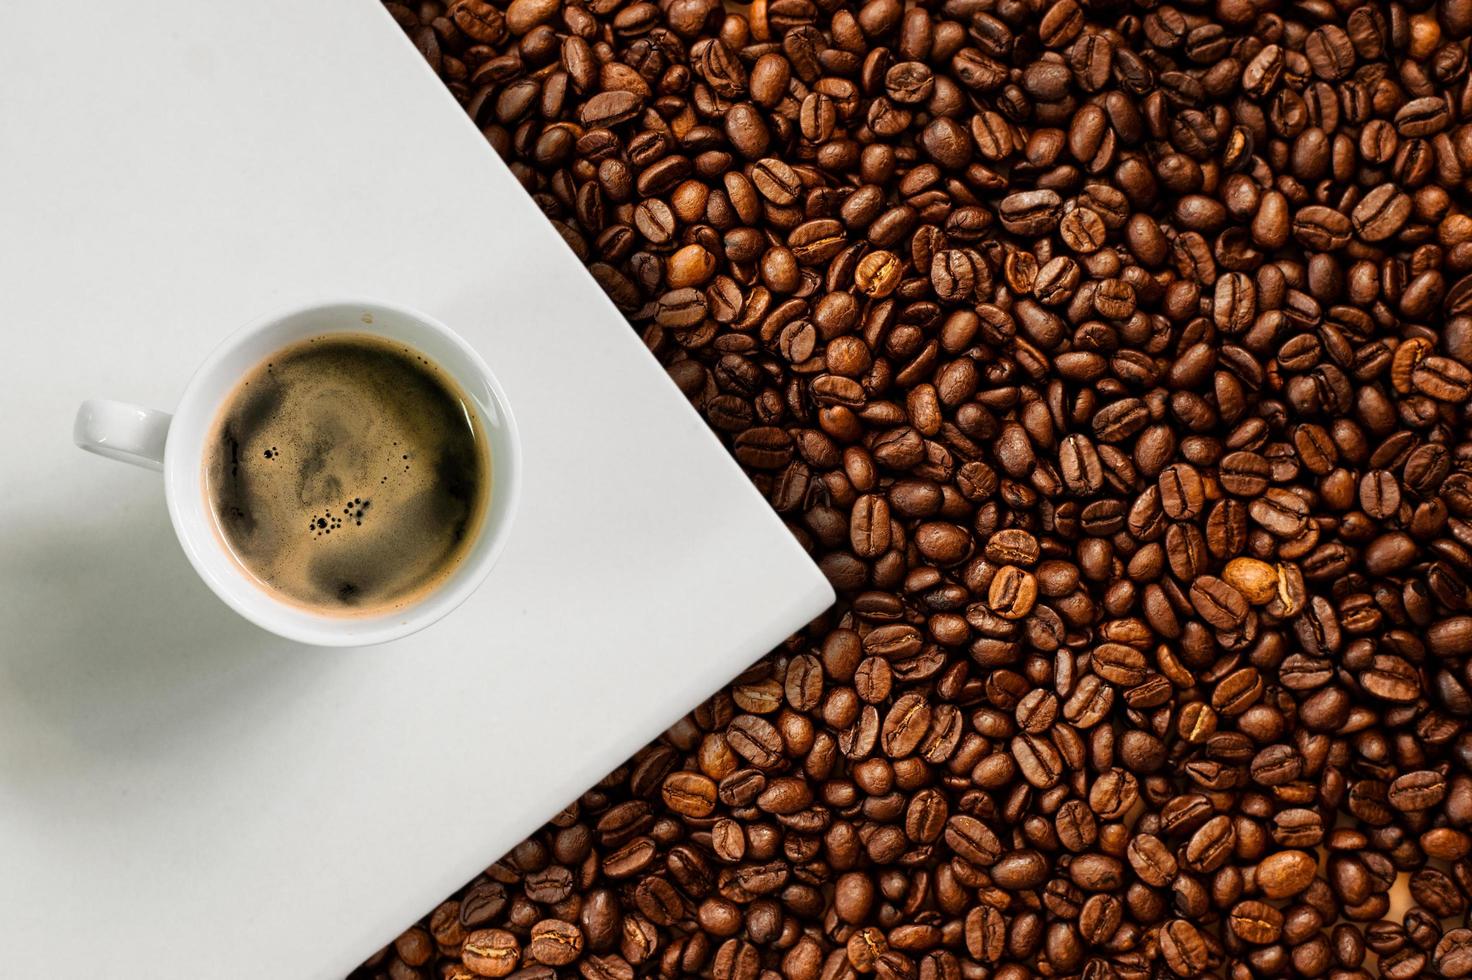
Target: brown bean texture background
{"points": [[1114, 361]]}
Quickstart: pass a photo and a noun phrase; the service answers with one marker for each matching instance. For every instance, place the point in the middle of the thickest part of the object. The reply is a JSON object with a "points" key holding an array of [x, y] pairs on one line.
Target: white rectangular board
{"points": [[181, 794]]}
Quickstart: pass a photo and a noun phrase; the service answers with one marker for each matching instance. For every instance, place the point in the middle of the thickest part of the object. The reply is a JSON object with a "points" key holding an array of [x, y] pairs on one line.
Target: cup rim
{"points": [[202, 546]]}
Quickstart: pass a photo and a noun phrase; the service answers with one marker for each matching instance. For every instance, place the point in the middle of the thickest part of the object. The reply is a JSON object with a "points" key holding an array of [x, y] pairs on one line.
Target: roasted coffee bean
{"points": [[775, 181], [1020, 870], [1256, 922], [1182, 493], [1039, 762], [1013, 592], [690, 794], [1254, 579], [1031, 212], [878, 274], [1381, 213], [1119, 664], [972, 840], [1244, 473], [1416, 791], [1451, 636], [1218, 603], [1082, 230], [1151, 860], [1321, 228], [1113, 364], [1453, 954], [1183, 948], [555, 942], [1285, 873], [1442, 378], [1210, 846], [611, 108], [490, 952], [985, 934], [482, 902], [1279, 512]]}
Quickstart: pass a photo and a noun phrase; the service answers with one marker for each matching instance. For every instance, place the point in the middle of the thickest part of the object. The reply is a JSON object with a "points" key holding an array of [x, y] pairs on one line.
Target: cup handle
{"points": [[119, 430]]}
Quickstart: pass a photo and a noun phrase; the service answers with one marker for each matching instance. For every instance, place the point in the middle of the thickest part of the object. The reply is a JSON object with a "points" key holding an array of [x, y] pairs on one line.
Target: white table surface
{"points": [[181, 794]]}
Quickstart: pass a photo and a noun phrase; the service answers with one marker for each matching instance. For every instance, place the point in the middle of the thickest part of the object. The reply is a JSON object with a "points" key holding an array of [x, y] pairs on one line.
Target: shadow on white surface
{"points": [[98, 677]]}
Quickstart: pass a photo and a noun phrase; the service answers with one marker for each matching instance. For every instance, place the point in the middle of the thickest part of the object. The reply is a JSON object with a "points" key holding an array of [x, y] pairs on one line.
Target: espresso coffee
{"points": [[348, 474]]}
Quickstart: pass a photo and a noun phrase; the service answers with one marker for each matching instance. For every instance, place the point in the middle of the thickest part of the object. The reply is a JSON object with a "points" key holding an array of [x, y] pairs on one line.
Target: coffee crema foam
{"points": [[348, 473]]}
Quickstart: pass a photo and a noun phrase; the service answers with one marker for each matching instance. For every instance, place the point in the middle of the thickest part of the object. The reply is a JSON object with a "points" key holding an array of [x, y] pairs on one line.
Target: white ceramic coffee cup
{"points": [[176, 444]]}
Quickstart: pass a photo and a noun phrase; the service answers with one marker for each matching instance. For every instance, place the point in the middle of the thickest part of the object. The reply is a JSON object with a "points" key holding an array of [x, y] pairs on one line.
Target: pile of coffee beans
{"points": [[1113, 360]]}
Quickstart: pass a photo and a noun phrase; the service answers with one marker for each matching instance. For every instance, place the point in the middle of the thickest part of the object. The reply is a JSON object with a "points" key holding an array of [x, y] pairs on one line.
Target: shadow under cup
{"points": [[216, 382]]}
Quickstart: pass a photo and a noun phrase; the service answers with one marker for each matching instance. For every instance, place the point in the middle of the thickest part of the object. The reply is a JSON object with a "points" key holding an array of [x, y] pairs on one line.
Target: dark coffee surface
{"points": [[348, 473]]}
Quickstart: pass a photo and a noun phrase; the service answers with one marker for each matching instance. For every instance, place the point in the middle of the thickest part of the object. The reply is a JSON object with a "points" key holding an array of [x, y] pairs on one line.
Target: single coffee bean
{"points": [[1185, 952], [1082, 230], [1244, 473], [1451, 637], [905, 725], [1182, 493], [1254, 579], [1152, 860], [1321, 228], [1018, 870], [1279, 512], [942, 542], [1013, 592], [1119, 664], [1285, 873], [972, 840], [1442, 378], [689, 794], [1210, 846], [1453, 954], [1381, 213], [1416, 791], [1039, 762], [490, 952], [607, 109], [1218, 602], [1237, 692], [775, 181], [1256, 922], [878, 274], [985, 934], [1031, 212]]}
